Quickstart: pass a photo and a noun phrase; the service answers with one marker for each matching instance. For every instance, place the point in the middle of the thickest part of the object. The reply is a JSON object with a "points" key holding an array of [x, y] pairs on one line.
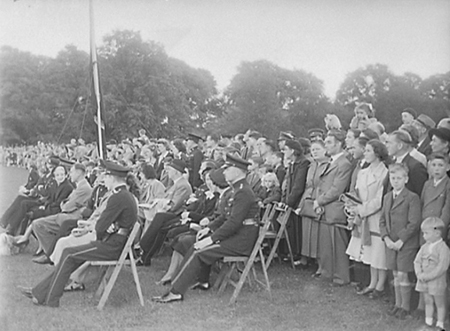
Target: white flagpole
{"points": [[96, 79]]}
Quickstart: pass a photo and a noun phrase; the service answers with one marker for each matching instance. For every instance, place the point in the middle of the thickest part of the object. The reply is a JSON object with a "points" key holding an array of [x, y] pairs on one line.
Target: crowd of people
{"points": [[360, 196]]}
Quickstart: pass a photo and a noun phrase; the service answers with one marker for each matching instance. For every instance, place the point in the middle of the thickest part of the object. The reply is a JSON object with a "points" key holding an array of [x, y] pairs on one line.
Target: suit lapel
{"points": [[437, 191], [397, 201]]}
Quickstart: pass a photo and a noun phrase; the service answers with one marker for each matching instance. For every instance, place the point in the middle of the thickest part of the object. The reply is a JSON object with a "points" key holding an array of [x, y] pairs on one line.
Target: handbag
{"points": [[307, 209]]}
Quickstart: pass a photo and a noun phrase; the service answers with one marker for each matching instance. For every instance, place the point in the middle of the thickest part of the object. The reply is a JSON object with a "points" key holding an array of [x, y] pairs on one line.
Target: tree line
{"points": [[47, 99]]}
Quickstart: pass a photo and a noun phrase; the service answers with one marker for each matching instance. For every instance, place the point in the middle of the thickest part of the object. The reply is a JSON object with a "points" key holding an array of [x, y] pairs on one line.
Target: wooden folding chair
{"points": [[231, 262], [282, 233], [110, 274]]}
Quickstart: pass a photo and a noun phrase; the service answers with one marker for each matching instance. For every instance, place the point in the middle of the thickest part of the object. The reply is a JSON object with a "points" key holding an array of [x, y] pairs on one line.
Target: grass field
{"points": [[299, 301]]}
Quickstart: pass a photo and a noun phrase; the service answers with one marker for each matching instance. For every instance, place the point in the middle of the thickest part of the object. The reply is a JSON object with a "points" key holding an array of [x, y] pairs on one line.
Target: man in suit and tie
{"points": [[176, 196], [334, 239], [399, 145], [423, 124], [46, 228]]}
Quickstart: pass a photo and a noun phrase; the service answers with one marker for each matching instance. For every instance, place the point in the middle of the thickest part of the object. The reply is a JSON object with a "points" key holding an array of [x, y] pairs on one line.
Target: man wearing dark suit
{"points": [[195, 160], [399, 146], [236, 236], [112, 229], [423, 124], [176, 195], [333, 240]]}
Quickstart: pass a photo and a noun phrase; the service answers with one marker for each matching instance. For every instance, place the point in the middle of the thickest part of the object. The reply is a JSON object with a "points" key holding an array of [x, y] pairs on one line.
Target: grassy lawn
{"points": [[299, 301]]}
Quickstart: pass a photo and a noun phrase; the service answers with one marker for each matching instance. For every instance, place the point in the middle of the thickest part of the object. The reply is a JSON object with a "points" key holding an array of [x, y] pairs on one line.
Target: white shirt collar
{"points": [[336, 156]]}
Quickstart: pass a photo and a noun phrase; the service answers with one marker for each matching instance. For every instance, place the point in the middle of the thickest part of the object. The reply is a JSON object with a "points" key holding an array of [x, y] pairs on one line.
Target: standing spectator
{"points": [[430, 265], [292, 193], [333, 240], [399, 146], [310, 227], [399, 229], [423, 124], [408, 115], [366, 244], [195, 159]]}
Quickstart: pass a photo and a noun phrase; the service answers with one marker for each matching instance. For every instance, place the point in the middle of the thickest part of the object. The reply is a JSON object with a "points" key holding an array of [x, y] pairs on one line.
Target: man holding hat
{"points": [[112, 229], [236, 236], [423, 124], [195, 159], [176, 195], [399, 146]]}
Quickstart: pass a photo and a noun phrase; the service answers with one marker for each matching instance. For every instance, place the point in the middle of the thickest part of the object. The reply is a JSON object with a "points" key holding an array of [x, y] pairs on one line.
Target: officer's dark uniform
{"points": [[235, 237], [112, 230]]}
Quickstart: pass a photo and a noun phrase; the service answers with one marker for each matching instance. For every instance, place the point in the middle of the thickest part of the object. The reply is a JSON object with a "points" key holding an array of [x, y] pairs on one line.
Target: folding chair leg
{"points": [[105, 274], [109, 286], [241, 282], [266, 276], [227, 277], [136, 279], [289, 248], [221, 276]]}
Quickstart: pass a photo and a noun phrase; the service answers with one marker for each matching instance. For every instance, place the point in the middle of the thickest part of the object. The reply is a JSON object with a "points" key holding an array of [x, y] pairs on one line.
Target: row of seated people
{"points": [[235, 232]]}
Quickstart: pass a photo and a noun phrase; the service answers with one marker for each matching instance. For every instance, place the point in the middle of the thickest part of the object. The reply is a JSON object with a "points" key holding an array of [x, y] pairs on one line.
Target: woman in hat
{"points": [[440, 140]]}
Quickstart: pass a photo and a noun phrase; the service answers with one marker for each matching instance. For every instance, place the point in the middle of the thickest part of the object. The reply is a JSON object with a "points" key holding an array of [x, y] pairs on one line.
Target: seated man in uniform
{"points": [[112, 229], [235, 237]]}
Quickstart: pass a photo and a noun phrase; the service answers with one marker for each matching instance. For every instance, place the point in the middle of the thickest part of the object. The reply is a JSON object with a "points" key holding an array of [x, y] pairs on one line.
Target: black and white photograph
{"points": [[225, 165]]}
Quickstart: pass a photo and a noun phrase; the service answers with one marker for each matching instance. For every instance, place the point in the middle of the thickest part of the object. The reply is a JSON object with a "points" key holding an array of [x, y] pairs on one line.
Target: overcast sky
{"points": [[328, 38]]}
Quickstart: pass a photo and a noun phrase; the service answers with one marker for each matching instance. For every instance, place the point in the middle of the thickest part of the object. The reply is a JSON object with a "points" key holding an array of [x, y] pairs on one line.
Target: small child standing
{"points": [[270, 191], [430, 265], [399, 229]]}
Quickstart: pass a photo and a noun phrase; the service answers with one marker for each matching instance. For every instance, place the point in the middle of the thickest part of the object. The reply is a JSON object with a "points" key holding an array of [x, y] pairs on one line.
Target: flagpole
{"points": [[96, 79]]}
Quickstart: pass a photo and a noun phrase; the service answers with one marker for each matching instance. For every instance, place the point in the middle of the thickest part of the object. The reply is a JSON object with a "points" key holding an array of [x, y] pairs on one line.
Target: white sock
{"points": [[440, 324], [429, 321]]}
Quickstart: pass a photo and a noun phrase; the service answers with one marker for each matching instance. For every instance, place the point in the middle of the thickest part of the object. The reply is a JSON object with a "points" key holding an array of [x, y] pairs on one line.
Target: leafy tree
{"points": [[267, 98], [390, 94]]}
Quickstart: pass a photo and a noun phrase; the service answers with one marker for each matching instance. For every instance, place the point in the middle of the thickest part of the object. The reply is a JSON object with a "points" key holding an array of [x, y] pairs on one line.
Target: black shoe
{"points": [[376, 294], [402, 314], [43, 259], [167, 298], [393, 311], [201, 286]]}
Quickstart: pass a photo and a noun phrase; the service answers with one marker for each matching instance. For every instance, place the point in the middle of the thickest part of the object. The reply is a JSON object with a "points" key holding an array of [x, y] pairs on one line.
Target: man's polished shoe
{"points": [[169, 297], [393, 311], [201, 286], [26, 291], [43, 259]]}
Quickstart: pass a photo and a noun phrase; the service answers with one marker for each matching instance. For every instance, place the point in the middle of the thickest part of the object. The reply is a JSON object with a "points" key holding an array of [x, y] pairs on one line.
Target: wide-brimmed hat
{"points": [[426, 121]]}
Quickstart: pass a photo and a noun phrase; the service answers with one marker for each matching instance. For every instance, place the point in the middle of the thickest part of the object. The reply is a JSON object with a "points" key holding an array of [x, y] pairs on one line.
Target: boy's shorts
{"points": [[402, 260]]}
